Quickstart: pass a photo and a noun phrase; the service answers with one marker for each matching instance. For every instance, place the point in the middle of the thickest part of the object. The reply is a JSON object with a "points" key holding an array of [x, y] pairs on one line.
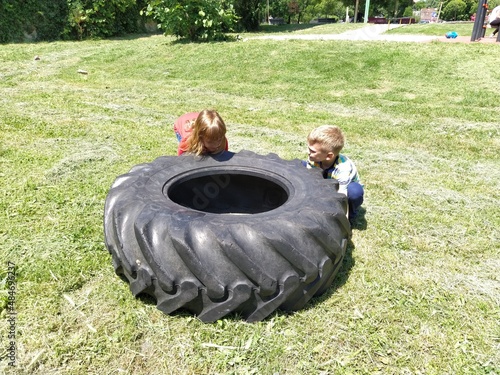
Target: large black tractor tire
{"points": [[242, 233]]}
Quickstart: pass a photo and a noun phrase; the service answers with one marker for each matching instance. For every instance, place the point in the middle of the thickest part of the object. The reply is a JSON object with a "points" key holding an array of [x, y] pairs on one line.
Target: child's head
{"points": [[325, 143], [209, 134]]}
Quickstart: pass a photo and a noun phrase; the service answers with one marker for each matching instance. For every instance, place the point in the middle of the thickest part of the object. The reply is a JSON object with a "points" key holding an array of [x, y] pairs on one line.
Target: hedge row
{"points": [[47, 20]]}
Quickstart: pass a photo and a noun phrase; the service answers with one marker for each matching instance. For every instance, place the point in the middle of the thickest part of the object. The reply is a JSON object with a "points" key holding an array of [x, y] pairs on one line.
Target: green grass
{"points": [[419, 290], [438, 29], [310, 28], [462, 28]]}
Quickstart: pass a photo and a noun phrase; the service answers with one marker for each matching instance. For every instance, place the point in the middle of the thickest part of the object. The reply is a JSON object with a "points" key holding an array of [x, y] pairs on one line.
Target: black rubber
{"points": [[242, 233]]}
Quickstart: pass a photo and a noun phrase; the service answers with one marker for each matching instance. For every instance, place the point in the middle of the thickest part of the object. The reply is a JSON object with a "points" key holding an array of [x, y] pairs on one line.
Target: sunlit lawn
{"points": [[419, 291]]}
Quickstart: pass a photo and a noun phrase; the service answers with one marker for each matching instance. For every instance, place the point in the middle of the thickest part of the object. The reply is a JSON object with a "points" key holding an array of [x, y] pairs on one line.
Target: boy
{"points": [[494, 20], [324, 146]]}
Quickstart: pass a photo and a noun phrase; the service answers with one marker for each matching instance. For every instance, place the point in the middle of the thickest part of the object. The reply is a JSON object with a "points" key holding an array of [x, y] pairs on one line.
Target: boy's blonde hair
{"points": [[330, 138], [207, 126]]}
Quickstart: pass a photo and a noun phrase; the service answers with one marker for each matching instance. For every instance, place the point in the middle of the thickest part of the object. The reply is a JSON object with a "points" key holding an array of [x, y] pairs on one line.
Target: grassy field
{"points": [[438, 29], [461, 28], [419, 291]]}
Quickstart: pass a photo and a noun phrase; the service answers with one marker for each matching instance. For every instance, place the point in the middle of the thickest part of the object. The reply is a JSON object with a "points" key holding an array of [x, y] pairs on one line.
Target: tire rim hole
{"points": [[228, 193]]}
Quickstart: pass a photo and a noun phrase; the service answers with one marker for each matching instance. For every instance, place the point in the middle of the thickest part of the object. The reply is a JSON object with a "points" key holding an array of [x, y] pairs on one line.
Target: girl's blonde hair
{"points": [[330, 138], [208, 126]]}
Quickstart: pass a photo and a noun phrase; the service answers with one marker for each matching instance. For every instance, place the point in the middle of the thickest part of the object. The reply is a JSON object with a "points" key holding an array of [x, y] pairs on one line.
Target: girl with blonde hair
{"points": [[201, 133]]}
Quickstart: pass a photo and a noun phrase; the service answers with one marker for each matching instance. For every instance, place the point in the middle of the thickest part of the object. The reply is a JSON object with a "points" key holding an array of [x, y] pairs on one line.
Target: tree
{"points": [[332, 8], [305, 10], [454, 10], [278, 8], [389, 8], [248, 12]]}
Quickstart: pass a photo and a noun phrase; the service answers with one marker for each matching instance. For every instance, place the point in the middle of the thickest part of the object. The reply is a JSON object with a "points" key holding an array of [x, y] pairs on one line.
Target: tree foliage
{"points": [[67, 19], [249, 13], [102, 18], [199, 20], [32, 19], [454, 10], [326, 8], [195, 20]]}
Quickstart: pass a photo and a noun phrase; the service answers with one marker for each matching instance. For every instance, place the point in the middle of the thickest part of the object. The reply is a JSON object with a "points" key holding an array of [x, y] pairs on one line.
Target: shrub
{"points": [[101, 18], [195, 20], [41, 20], [70, 19], [11, 25]]}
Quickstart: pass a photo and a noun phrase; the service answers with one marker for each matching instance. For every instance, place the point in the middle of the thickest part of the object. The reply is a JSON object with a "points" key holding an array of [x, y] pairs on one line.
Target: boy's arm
{"points": [[345, 173], [343, 188]]}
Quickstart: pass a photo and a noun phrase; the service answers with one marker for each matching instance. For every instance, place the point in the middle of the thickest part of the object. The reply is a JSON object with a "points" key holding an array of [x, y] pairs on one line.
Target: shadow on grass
{"points": [[228, 37], [285, 28], [170, 39], [359, 222], [119, 38]]}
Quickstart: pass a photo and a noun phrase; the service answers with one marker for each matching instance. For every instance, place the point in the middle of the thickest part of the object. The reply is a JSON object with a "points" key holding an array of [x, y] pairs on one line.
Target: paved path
{"points": [[371, 32]]}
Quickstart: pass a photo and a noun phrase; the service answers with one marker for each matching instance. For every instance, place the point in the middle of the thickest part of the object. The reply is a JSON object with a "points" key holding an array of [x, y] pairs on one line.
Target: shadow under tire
{"points": [[232, 233]]}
